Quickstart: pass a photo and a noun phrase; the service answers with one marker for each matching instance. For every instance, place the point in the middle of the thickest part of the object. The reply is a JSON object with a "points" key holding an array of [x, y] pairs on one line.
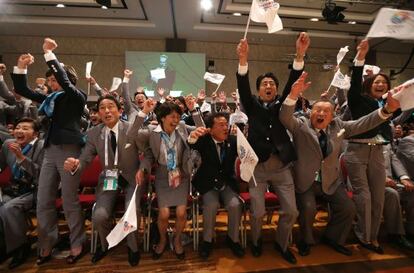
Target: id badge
{"points": [[174, 178], [111, 180]]}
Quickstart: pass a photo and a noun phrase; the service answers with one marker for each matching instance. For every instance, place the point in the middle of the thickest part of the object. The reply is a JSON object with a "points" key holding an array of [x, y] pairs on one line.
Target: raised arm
{"points": [[57, 69], [288, 107], [242, 75], [128, 108], [354, 93]]}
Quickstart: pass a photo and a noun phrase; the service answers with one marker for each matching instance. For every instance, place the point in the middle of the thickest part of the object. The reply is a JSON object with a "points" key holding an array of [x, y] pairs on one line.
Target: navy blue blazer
{"points": [[64, 127], [267, 135]]}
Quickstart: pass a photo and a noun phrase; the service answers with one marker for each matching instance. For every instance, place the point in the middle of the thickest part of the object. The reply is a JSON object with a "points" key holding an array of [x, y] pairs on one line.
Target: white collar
{"points": [[33, 141], [115, 129], [158, 129]]}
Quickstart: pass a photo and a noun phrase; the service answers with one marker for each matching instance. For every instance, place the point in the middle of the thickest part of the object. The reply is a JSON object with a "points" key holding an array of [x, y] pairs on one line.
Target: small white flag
{"points": [[157, 74], [116, 82], [248, 158], [341, 81], [126, 225], [375, 69], [238, 117], [88, 70], [406, 95], [265, 11], [393, 23], [341, 54], [214, 78]]}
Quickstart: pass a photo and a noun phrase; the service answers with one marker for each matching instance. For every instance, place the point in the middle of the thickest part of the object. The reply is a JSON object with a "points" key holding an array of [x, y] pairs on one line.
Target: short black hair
{"points": [[94, 108], [266, 75], [140, 92], [108, 97], [70, 72], [209, 120], [165, 109], [35, 123]]}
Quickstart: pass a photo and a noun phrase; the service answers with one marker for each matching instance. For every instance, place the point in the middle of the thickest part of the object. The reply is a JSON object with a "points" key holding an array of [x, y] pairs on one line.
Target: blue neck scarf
{"points": [[48, 105]]}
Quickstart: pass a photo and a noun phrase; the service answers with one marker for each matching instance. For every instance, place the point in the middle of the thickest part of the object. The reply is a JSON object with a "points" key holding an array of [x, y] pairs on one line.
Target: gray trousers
{"points": [[341, 214], [366, 170], [274, 173], [13, 221], [51, 174], [233, 205], [395, 202], [102, 216]]}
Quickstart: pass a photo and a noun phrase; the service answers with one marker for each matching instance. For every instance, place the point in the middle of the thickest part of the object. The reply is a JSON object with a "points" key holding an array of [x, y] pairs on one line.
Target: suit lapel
{"points": [[122, 132], [315, 138]]}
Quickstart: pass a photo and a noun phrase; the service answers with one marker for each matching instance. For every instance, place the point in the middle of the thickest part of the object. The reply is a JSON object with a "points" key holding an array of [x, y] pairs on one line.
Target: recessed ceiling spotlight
{"points": [[104, 7], [314, 19], [206, 4], [60, 6], [351, 22], [237, 14]]}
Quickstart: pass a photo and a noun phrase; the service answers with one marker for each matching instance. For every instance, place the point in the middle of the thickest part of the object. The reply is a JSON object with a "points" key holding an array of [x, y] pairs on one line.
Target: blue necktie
{"points": [[222, 151], [16, 170]]}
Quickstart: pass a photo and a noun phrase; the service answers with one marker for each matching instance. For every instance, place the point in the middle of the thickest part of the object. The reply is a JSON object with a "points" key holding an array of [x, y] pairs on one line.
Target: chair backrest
{"points": [[5, 177], [90, 175]]}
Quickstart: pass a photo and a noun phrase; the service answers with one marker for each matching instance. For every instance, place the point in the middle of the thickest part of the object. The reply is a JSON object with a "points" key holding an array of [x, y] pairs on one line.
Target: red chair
{"points": [[5, 176]]}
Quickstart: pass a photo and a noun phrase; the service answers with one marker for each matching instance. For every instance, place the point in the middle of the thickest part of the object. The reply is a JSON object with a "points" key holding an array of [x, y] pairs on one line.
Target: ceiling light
{"points": [[351, 22], [206, 4], [104, 7], [237, 14], [60, 6], [106, 3], [314, 19], [333, 13]]}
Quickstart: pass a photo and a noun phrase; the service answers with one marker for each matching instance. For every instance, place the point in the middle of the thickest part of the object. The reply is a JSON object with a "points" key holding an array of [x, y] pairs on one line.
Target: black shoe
{"points": [[337, 247], [155, 255], [402, 241], [205, 249], [256, 249], [72, 259], [20, 256], [236, 248], [303, 248], [43, 259], [370, 246], [287, 254], [133, 257], [180, 256], [98, 255]]}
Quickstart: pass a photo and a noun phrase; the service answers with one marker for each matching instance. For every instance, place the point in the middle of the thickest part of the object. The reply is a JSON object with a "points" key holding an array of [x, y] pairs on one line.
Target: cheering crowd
{"points": [[354, 150]]}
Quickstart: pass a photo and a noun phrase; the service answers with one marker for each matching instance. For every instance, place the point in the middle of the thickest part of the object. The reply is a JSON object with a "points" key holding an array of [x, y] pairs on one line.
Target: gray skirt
{"points": [[168, 196]]}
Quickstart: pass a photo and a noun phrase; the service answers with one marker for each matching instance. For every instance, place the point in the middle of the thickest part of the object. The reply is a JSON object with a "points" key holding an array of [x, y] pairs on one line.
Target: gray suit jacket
{"points": [[32, 163], [405, 152], [310, 158], [128, 159]]}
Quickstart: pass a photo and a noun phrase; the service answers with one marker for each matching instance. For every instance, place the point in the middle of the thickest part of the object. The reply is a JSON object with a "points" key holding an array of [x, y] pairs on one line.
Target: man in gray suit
{"points": [[23, 155], [399, 195], [318, 143], [118, 154]]}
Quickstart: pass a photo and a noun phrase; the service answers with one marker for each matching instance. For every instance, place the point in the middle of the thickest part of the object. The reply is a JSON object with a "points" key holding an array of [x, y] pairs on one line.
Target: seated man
{"points": [[118, 154], [318, 143], [23, 155], [215, 180]]}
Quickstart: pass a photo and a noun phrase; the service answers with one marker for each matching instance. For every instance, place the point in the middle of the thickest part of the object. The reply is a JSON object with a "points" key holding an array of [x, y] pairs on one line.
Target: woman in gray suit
{"points": [[166, 146]]}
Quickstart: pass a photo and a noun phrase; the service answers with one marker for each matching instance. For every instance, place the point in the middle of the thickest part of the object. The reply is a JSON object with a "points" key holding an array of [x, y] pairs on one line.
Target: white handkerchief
{"points": [[340, 133]]}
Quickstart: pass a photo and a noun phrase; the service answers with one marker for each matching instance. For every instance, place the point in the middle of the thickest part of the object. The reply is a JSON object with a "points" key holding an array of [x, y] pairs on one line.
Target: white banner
{"points": [[126, 225], [393, 23], [265, 11], [248, 157], [375, 69], [406, 95], [214, 78], [341, 81], [157, 74], [88, 70], [116, 82], [341, 54]]}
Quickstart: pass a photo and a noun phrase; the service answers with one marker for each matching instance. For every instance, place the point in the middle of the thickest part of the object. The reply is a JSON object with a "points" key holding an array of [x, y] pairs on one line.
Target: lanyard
{"points": [[106, 150]]}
